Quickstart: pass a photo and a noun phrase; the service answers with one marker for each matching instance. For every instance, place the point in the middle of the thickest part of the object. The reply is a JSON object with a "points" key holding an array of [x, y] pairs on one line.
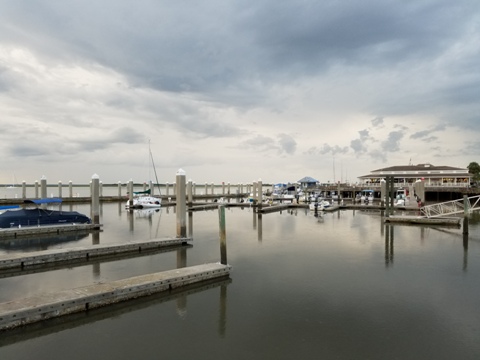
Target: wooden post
{"points": [[189, 192], [166, 189], [70, 188], [95, 199], [259, 193], [223, 235], [36, 189], [43, 190], [466, 209], [60, 189], [130, 193], [119, 189], [24, 190], [181, 208]]}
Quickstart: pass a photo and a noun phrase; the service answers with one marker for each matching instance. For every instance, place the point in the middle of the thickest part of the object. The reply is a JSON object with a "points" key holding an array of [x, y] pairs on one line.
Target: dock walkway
{"points": [[46, 229], [21, 260], [44, 306]]}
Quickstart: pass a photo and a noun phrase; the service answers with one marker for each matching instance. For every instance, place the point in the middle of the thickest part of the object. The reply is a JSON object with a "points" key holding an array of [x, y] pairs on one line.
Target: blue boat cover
{"points": [[6, 207], [43, 201]]}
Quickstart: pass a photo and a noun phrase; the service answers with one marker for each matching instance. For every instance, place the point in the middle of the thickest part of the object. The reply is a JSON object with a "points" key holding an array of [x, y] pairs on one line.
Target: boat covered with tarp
{"points": [[39, 216]]}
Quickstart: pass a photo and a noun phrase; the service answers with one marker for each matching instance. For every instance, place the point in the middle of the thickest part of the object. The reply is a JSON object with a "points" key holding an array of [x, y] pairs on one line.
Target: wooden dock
{"points": [[22, 260], [45, 306], [423, 220], [46, 229]]}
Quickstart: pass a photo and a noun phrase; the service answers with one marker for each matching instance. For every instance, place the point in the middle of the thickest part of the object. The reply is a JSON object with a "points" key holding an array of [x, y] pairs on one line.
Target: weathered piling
{"points": [[95, 199], [24, 189], [223, 235], [130, 193], [465, 214], [189, 193], [43, 190], [181, 204]]}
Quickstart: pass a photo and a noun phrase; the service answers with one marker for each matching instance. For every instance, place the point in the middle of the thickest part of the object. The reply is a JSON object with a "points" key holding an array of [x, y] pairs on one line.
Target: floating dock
{"points": [[423, 220], [45, 306], [46, 229], [54, 256]]}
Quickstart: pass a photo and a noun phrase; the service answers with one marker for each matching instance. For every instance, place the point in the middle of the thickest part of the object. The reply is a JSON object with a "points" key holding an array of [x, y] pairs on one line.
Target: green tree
{"points": [[474, 169]]}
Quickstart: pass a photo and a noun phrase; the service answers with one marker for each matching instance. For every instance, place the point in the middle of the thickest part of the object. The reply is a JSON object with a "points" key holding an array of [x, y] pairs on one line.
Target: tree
{"points": [[474, 169]]}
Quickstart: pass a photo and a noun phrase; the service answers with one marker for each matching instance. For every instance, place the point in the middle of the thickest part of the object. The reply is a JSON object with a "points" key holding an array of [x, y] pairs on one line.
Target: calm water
{"points": [[343, 286]]}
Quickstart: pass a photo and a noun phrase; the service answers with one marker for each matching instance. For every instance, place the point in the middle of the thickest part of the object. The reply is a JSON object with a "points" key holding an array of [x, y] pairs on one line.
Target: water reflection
{"points": [[180, 295], [389, 234]]}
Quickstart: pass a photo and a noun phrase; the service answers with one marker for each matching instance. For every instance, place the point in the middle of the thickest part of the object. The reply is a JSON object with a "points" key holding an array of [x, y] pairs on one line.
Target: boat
{"points": [[366, 196], [143, 200], [38, 216], [320, 204]]}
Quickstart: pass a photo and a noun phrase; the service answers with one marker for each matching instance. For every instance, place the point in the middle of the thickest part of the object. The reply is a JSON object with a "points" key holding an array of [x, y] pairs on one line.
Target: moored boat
{"points": [[22, 217]]}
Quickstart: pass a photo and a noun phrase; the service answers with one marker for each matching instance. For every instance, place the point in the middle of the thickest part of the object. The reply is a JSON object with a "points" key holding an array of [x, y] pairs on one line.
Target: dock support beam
{"points": [[181, 204]]}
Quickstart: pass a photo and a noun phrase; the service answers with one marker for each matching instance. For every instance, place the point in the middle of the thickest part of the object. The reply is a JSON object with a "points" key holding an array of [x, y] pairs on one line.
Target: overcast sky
{"points": [[236, 91]]}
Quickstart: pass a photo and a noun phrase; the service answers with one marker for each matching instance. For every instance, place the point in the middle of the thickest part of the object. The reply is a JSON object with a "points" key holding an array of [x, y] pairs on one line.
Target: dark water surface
{"points": [[343, 286]]}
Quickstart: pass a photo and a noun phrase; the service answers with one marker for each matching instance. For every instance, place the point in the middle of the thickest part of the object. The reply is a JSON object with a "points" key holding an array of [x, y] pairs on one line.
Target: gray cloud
{"points": [[377, 122], [287, 143], [393, 141]]}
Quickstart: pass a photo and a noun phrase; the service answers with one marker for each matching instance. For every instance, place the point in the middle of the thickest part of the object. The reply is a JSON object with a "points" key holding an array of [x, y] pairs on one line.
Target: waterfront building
{"points": [[431, 175]]}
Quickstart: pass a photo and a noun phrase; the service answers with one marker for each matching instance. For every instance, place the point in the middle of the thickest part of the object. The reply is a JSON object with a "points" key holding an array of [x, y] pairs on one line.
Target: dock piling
{"points": [[95, 199], [223, 235], [181, 207]]}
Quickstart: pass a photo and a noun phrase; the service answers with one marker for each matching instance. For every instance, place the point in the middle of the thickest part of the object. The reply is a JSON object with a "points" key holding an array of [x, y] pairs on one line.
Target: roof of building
{"points": [[307, 179], [419, 169]]}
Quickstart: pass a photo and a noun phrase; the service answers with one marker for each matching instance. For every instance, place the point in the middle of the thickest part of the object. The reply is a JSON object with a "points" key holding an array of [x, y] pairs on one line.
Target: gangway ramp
{"points": [[451, 207]]}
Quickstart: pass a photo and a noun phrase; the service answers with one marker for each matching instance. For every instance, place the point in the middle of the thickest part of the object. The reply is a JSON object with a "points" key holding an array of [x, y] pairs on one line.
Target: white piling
{"points": [[181, 208], [24, 189], [95, 199]]}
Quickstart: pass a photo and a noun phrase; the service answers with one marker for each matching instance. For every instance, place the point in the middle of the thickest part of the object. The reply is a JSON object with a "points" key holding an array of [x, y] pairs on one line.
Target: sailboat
{"points": [[13, 185], [143, 199]]}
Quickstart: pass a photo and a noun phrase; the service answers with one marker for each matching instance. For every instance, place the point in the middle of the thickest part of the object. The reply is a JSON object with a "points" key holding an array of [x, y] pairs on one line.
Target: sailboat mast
{"points": [[154, 169]]}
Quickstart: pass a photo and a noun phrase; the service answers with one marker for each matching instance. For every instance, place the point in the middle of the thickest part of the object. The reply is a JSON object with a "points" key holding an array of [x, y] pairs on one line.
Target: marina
{"points": [[362, 270]]}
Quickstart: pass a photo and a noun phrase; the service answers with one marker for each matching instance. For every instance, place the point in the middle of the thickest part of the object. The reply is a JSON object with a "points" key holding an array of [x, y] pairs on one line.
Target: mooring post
{"points": [[466, 209], [260, 193], [181, 208], [119, 185], [151, 187], [36, 189], [70, 189], [223, 235], [43, 190], [60, 189], [190, 192], [130, 193], [24, 189], [166, 189], [95, 199]]}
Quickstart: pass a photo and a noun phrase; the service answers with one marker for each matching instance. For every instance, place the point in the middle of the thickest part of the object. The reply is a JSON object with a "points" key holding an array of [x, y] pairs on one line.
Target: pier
{"points": [[45, 306], [22, 260]]}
